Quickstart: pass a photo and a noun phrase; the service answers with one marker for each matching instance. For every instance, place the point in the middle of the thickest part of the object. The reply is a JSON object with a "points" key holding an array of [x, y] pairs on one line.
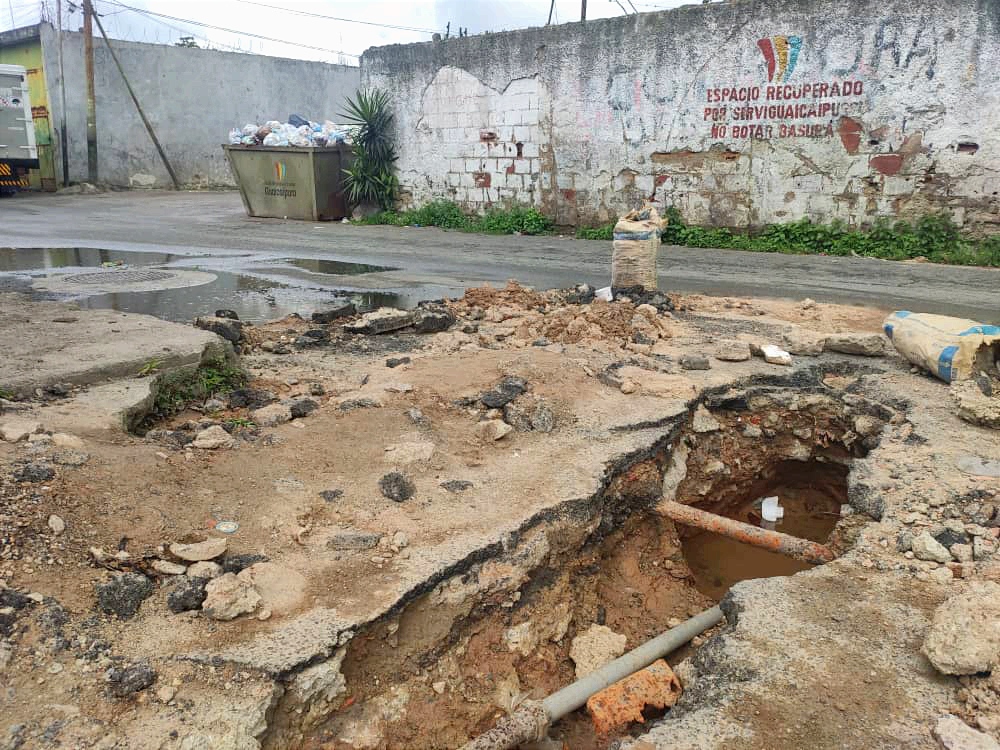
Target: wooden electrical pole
{"points": [[63, 143], [88, 59], [583, 10]]}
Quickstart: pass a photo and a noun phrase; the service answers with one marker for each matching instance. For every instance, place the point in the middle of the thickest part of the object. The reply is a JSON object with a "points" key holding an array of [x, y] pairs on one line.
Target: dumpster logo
{"points": [[781, 53], [278, 187]]}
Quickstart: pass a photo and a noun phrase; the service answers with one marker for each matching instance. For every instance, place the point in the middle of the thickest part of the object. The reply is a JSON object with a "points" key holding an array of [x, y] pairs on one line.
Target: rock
{"points": [[961, 552], [340, 309], [397, 361], [188, 594], [316, 335], [752, 431], [594, 648], [213, 405], [432, 321], [775, 355], [281, 589], [457, 485], [964, 637], [404, 454], [198, 551], [213, 438], [397, 486], [943, 574], [70, 458], [227, 597], [302, 407], [982, 549], [331, 495], [955, 734], [400, 540], [272, 415], [732, 351], [57, 525], [439, 687], [34, 472], [250, 398], [855, 342], [167, 568], [695, 362], [16, 430], [947, 537], [166, 694], [123, 594], [204, 569], [358, 403], [316, 389], [542, 418], [229, 329], [134, 678], [803, 342], [236, 563], [491, 430], [231, 314], [505, 391], [383, 320], [703, 421], [926, 547], [521, 638], [975, 407], [348, 540]]}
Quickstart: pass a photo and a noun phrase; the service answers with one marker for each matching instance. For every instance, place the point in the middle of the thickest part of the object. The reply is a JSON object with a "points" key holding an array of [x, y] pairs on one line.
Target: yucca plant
{"points": [[370, 178]]}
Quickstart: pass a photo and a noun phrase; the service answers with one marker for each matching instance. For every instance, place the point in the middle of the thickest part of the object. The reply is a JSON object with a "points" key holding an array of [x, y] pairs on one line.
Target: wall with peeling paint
{"points": [[740, 114]]}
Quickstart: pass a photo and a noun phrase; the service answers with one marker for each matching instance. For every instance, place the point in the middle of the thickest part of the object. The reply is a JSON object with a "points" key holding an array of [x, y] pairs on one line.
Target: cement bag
{"points": [[637, 240], [951, 348]]}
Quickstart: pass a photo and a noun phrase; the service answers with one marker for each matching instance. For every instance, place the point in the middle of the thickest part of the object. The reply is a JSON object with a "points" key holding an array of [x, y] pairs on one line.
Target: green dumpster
{"points": [[286, 182]]}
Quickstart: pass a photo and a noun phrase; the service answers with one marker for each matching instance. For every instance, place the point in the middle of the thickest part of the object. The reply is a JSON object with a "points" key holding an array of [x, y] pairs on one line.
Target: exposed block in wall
{"points": [[522, 166], [530, 150]]}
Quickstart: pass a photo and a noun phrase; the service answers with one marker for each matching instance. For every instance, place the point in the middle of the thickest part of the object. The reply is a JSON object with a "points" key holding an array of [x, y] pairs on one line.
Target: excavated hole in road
{"points": [[454, 660]]}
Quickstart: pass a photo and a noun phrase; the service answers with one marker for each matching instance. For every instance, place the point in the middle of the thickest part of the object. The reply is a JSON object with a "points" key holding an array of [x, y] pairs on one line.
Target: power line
{"points": [[184, 32], [335, 18], [230, 31]]}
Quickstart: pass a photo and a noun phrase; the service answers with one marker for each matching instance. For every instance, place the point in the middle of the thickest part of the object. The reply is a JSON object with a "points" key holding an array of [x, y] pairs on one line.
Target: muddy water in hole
{"points": [[718, 562]]}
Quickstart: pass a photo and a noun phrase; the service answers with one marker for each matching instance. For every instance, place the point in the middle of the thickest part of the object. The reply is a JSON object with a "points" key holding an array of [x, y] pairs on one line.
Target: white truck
{"points": [[18, 151]]}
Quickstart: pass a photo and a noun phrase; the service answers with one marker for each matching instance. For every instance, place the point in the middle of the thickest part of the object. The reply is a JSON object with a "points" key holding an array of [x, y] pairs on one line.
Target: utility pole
{"points": [[88, 59], [63, 144], [135, 100], [583, 10], [552, 7]]}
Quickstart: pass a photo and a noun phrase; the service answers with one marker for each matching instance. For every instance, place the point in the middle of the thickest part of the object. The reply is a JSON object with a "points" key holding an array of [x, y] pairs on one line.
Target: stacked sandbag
{"points": [[636, 242]]}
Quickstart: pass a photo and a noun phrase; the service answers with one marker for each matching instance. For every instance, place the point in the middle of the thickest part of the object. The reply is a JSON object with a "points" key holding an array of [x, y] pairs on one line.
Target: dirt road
{"points": [[216, 223]]}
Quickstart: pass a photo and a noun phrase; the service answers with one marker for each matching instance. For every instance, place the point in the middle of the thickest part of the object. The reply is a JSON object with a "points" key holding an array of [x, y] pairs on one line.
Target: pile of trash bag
{"points": [[298, 131]]}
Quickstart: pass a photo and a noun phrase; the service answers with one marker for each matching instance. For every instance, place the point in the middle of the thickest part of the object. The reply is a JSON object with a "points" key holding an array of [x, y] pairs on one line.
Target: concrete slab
{"points": [[84, 347]]}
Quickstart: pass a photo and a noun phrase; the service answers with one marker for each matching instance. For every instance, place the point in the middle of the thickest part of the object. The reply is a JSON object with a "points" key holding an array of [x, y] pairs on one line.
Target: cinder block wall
{"points": [[740, 114], [192, 96]]}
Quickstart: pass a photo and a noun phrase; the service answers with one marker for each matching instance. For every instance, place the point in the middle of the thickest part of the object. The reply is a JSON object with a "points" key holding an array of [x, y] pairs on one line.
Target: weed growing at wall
{"points": [[448, 215], [934, 237], [176, 390]]}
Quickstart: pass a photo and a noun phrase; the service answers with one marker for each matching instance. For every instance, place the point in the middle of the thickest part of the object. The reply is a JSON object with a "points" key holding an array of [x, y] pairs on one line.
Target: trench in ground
{"points": [[456, 659]]}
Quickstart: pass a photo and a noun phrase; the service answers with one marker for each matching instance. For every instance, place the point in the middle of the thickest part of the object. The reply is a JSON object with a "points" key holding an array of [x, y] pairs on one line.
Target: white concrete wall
{"points": [[193, 98], [899, 117]]}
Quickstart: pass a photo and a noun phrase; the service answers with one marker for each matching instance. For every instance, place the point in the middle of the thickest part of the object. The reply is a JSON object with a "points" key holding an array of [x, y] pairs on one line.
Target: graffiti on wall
{"points": [[780, 107]]}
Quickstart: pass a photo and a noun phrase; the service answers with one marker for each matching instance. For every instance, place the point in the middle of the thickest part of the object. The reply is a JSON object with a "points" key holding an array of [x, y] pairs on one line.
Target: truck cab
{"points": [[18, 150]]}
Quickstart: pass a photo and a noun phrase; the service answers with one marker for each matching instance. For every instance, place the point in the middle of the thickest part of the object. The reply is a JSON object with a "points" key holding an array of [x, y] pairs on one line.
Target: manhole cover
{"points": [[122, 276]]}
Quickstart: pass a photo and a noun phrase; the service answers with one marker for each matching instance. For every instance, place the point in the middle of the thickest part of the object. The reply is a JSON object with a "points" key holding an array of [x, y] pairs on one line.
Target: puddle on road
{"points": [[335, 267], [260, 293]]}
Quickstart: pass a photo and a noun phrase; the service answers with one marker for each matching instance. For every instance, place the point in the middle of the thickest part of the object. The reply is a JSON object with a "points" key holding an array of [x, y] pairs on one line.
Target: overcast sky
{"points": [[305, 32]]}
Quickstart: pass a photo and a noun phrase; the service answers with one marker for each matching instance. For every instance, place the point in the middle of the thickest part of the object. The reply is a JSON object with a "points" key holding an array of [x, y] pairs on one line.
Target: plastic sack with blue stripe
{"points": [[952, 348]]}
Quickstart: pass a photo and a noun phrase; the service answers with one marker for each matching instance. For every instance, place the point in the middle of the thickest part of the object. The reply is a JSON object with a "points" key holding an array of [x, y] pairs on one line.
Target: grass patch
{"points": [[605, 232], [934, 237], [448, 215], [6, 394], [178, 390]]}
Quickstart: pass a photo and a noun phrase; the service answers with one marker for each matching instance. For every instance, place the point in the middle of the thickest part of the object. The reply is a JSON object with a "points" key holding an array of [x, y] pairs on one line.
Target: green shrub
{"points": [[511, 220], [371, 177], [177, 390], [448, 215], [605, 232]]}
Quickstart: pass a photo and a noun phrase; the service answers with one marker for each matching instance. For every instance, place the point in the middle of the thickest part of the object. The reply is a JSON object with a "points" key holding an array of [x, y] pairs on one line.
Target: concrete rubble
{"points": [[341, 551]]}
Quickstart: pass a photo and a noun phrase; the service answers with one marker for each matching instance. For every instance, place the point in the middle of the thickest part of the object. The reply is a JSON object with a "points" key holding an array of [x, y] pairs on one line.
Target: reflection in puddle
{"points": [[335, 267], [257, 293]]}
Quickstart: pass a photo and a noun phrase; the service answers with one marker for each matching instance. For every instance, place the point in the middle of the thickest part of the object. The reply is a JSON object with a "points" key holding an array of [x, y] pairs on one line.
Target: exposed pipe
{"points": [[773, 541], [533, 718]]}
